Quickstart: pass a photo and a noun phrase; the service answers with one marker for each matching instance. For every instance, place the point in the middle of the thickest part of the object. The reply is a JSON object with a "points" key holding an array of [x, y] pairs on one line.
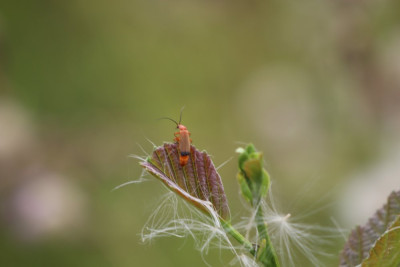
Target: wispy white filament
{"points": [[175, 217], [290, 237]]}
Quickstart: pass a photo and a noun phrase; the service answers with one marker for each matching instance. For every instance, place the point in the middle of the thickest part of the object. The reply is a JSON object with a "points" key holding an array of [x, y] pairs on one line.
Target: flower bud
{"points": [[252, 177]]}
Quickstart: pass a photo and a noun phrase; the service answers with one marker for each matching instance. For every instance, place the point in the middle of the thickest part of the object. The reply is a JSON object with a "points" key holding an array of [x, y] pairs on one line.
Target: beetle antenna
{"points": [[166, 118], [180, 116]]}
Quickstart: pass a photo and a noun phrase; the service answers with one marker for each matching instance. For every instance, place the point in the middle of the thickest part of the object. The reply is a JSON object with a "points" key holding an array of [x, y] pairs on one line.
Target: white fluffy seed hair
{"points": [[175, 217], [140, 158], [290, 237]]}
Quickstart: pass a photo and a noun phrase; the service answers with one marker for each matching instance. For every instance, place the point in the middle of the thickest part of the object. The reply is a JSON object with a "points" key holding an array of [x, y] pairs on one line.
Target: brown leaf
{"points": [[196, 182]]}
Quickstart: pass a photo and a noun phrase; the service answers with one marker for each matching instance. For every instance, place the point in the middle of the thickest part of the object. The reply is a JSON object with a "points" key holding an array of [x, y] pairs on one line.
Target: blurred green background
{"points": [[313, 84]]}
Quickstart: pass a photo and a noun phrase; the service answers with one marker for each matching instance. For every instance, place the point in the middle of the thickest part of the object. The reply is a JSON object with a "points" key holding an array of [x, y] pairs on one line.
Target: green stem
{"points": [[267, 254], [235, 234]]}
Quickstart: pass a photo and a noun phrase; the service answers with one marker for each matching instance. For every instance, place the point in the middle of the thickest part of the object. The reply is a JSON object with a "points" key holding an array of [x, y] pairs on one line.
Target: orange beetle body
{"points": [[183, 139]]}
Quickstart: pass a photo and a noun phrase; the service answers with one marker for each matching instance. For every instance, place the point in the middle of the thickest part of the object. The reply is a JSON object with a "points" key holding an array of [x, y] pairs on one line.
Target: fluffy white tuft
{"points": [[292, 239], [175, 217]]}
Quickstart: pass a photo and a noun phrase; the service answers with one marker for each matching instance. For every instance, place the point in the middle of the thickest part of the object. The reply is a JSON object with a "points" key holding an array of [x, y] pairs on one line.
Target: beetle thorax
{"points": [[181, 127]]}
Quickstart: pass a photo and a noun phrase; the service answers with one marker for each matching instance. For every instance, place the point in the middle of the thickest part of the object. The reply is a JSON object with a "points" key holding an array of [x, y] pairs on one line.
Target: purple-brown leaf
{"points": [[362, 239], [196, 182], [385, 252]]}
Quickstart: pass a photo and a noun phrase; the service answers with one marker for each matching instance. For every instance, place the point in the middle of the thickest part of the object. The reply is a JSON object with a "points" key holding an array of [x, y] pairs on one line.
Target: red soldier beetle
{"points": [[183, 139]]}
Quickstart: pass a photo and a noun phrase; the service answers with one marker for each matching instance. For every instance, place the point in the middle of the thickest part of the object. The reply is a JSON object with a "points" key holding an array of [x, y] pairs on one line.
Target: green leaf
{"points": [[243, 157], [244, 188], [386, 251], [196, 182], [363, 238]]}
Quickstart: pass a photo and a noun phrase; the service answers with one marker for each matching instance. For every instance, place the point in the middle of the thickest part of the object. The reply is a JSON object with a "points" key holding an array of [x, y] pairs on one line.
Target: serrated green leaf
{"points": [[362, 239], [386, 251]]}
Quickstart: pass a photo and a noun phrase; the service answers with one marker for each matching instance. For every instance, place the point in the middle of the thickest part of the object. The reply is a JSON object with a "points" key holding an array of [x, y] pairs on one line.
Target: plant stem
{"points": [[238, 236], [267, 254]]}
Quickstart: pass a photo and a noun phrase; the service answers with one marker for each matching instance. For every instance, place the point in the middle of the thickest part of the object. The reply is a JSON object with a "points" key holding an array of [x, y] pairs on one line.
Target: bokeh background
{"points": [[313, 84]]}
